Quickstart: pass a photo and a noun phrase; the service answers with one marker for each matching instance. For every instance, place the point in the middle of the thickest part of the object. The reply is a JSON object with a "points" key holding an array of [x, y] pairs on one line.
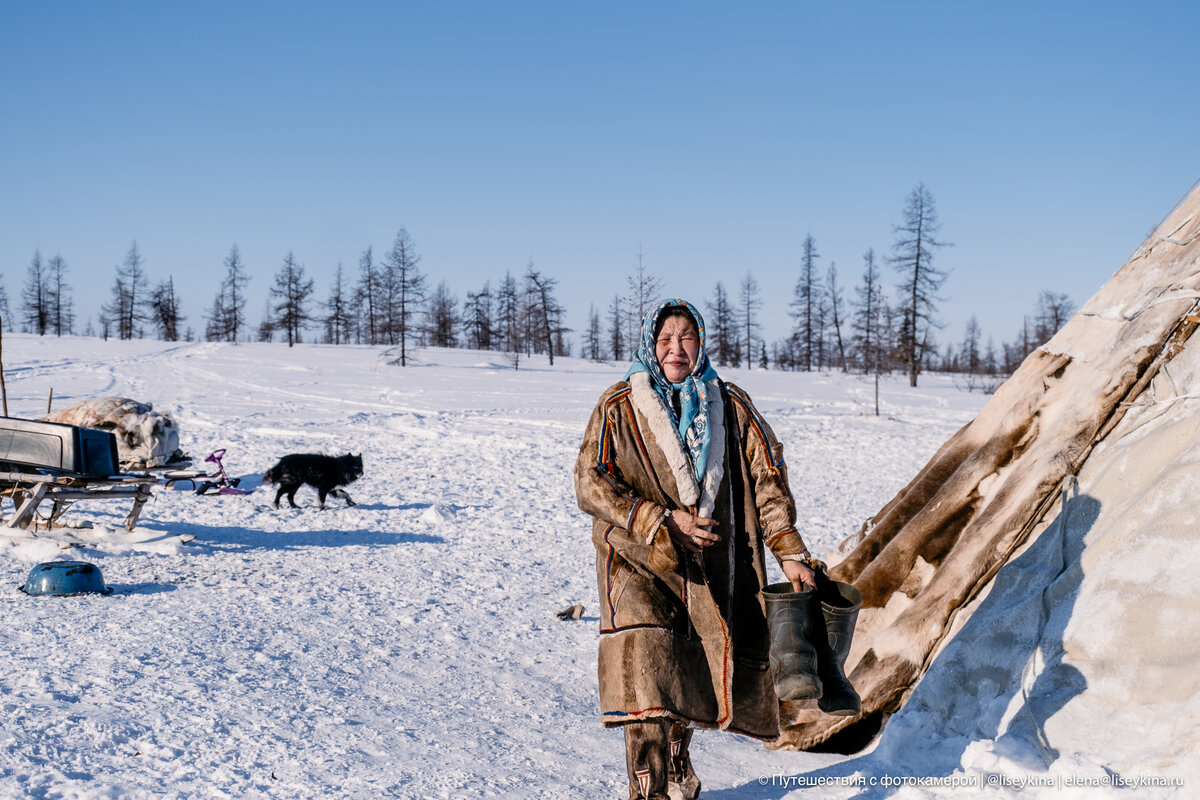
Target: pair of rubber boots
{"points": [[811, 632]]}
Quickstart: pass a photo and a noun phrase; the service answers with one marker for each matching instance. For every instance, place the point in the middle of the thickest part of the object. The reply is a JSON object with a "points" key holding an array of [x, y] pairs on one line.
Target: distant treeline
{"points": [[387, 301]]}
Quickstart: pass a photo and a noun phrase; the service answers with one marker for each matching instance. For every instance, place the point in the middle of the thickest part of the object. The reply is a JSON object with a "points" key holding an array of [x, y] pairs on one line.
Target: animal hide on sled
{"points": [[145, 437], [936, 545]]}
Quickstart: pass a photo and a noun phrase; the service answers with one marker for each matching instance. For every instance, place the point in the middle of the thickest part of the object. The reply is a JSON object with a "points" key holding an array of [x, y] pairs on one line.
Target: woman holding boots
{"points": [[686, 485]]}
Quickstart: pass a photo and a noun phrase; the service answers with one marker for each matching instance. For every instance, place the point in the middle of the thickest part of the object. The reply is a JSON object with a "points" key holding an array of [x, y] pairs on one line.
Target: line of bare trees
{"points": [[134, 307], [389, 302], [867, 333]]}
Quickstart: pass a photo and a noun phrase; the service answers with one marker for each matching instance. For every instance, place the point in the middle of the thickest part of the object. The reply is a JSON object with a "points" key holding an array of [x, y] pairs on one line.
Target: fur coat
{"points": [[684, 635]]}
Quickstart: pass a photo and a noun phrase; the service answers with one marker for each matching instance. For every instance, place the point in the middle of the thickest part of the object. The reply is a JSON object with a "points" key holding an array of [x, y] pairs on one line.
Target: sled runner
{"points": [[29, 490]]}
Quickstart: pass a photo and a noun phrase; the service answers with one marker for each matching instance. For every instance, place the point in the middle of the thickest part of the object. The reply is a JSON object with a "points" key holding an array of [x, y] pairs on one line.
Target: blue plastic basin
{"points": [[65, 578]]}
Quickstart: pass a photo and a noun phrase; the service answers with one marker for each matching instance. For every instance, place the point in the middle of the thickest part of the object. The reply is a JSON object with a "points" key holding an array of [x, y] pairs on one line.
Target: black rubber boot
{"points": [[682, 782], [647, 759], [840, 603], [793, 621]]}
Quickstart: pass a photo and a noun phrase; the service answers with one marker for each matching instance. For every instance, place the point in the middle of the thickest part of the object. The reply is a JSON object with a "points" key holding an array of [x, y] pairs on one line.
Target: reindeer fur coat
{"points": [[683, 635]]}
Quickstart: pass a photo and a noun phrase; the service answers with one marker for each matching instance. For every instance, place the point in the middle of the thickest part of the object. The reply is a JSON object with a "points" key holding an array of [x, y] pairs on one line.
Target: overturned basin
{"points": [[65, 578]]}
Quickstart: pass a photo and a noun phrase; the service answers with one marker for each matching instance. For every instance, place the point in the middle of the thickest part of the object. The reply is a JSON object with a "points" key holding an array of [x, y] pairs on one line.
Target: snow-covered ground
{"points": [[404, 647]]}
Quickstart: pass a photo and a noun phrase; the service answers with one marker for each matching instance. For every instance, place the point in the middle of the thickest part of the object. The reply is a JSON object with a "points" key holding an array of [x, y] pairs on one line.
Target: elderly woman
{"points": [[686, 484]]}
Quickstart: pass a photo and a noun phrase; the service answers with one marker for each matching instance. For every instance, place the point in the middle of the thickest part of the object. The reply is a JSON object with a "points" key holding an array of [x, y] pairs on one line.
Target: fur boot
{"points": [[682, 782], [647, 759]]}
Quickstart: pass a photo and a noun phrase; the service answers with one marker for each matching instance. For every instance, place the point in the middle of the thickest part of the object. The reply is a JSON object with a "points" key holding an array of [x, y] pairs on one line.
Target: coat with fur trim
{"points": [[684, 635]]}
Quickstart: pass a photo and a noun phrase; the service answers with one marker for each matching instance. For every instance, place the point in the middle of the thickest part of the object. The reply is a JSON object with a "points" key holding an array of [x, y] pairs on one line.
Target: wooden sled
{"points": [[63, 464], [29, 490]]}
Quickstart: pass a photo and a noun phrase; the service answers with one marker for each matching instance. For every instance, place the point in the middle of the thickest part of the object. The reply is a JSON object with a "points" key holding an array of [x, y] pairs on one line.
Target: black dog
{"points": [[323, 473]]}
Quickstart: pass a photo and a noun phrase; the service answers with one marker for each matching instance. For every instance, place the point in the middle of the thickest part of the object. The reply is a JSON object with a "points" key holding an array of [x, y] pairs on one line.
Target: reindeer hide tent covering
{"points": [[1102, 400]]}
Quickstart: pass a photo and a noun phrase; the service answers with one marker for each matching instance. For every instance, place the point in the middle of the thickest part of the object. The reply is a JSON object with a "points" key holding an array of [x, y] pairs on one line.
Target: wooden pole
{"points": [[49, 399], [3, 388], [877, 382]]}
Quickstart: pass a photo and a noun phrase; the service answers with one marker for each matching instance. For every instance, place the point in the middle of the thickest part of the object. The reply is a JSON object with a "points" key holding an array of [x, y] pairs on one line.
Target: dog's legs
{"points": [[291, 495], [342, 493], [279, 494]]}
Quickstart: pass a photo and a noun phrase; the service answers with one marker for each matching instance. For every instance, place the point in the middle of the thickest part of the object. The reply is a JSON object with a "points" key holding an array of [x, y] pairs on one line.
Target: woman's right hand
{"points": [[800, 575], [691, 532]]}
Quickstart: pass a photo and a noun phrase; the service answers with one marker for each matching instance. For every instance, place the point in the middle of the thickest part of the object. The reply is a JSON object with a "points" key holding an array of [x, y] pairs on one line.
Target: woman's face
{"points": [[677, 348]]}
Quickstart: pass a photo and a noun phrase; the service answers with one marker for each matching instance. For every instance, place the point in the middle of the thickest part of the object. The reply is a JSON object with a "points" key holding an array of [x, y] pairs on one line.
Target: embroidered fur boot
{"points": [[682, 783], [793, 619], [647, 759]]}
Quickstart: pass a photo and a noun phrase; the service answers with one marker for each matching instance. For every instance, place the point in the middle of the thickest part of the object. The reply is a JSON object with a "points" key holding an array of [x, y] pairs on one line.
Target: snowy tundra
{"points": [[405, 647]]}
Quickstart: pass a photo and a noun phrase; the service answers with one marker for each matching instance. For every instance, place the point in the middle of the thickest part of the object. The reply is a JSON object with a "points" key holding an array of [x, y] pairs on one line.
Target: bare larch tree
{"points": [[806, 299], [404, 294], [748, 305], [291, 292], [834, 294], [868, 317], [127, 307], [912, 258], [339, 312], [164, 310], [721, 338]]}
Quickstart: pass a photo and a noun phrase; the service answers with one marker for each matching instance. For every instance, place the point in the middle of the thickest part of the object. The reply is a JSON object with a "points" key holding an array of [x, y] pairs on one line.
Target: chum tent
{"points": [[1030, 598]]}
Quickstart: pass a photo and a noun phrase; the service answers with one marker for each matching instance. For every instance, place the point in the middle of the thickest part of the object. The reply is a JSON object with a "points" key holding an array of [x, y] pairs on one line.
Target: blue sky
{"points": [[714, 136]]}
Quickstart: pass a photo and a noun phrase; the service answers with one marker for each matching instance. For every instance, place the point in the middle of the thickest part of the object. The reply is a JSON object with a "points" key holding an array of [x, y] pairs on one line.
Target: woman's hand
{"points": [[691, 532], [799, 574]]}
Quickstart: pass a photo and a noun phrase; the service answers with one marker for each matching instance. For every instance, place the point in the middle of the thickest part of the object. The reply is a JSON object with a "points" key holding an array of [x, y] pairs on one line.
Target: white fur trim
{"points": [[651, 406], [714, 470]]}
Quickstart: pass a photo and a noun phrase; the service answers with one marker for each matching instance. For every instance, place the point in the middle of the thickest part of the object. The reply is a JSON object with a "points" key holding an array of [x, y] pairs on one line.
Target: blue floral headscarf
{"points": [[691, 423]]}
